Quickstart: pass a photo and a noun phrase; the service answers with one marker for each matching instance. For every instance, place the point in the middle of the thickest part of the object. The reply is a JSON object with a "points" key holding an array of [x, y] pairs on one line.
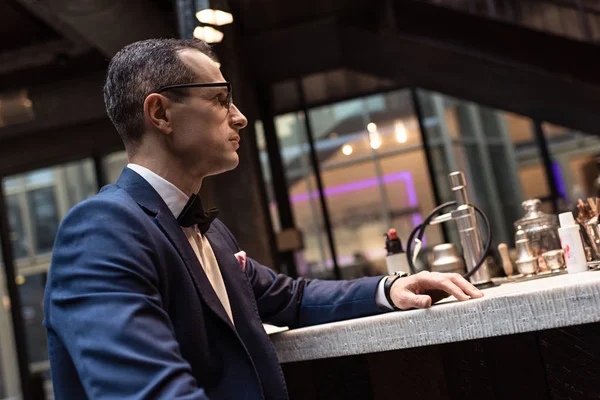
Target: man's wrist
{"points": [[387, 289], [380, 299], [387, 286]]}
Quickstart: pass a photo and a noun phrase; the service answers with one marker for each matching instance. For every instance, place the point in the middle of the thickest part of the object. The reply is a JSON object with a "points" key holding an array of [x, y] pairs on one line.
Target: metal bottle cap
{"points": [[520, 234]]}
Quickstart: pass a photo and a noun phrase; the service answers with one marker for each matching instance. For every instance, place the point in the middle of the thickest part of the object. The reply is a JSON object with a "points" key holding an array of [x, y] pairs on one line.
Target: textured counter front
{"points": [[547, 303]]}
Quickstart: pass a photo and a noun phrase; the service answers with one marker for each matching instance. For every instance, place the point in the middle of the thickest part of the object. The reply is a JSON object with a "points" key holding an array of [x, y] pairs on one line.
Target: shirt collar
{"points": [[173, 197]]}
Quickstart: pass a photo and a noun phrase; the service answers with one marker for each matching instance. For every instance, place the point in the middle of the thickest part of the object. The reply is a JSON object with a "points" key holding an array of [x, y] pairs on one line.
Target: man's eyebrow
{"points": [[211, 91], [221, 89]]}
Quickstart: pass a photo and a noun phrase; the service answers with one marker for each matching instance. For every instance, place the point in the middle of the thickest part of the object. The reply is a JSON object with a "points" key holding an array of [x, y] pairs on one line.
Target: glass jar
{"points": [[541, 228]]}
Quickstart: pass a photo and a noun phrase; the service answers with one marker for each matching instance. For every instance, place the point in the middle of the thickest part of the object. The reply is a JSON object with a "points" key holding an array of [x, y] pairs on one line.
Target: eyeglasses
{"points": [[226, 103]]}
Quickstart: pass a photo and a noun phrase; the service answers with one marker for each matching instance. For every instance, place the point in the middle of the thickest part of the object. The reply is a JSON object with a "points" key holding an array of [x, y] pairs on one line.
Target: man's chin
{"points": [[226, 167]]}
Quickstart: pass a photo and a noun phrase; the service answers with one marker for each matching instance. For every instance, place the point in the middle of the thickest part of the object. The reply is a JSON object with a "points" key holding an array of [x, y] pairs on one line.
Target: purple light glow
{"points": [[405, 176]]}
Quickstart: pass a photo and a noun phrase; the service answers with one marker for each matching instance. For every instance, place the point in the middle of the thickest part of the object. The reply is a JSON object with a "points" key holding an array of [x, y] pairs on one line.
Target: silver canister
{"points": [[528, 266], [555, 259], [445, 258]]}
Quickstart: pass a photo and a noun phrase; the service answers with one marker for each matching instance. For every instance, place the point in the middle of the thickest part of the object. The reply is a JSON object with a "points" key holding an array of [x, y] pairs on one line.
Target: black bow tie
{"points": [[193, 214]]}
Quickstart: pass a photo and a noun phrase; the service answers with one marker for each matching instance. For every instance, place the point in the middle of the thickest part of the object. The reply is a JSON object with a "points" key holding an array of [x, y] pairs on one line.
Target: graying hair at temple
{"points": [[139, 69]]}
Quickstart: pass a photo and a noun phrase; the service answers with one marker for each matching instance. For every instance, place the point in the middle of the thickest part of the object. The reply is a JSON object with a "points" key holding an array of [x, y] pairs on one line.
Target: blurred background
{"points": [[358, 110]]}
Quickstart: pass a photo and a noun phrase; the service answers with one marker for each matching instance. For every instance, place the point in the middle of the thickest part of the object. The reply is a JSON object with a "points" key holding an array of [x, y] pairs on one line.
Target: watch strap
{"points": [[387, 288]]}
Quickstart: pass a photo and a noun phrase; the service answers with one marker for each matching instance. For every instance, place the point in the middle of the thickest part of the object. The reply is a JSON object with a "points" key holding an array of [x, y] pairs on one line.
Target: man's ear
{"points": [[157, 112]]}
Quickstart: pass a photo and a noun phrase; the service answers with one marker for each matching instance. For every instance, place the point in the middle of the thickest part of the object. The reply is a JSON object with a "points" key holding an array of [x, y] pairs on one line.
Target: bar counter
{"points": [[538, 339]]}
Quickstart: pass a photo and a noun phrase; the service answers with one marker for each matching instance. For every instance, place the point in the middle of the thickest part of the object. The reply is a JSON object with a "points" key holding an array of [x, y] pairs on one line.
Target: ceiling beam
{"points": [[295, 51], [61, 104], [42, 11], [107, 25], [38, 55]]}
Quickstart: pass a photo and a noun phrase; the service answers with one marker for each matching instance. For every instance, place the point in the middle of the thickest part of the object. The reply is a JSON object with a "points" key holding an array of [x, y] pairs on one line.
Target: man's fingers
{"points": [[419, 291], [408, 300], [450, 287], [466, 286]]}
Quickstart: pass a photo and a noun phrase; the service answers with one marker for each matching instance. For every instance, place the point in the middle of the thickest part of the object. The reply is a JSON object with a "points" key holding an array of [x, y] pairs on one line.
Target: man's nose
{"points": [[238, 120]]}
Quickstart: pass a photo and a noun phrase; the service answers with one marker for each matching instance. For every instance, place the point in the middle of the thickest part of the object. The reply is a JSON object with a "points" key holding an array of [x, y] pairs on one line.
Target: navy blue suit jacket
{"points": [[130, 313]]}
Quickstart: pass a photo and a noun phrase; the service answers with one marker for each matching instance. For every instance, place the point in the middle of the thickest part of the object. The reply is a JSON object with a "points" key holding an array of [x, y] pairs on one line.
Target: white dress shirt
{"points": [[175, 199]]}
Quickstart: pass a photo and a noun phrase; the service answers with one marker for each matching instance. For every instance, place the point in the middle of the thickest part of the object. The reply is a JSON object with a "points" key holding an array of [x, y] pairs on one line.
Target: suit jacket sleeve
{"points": [[104, 305], [284, 301]]}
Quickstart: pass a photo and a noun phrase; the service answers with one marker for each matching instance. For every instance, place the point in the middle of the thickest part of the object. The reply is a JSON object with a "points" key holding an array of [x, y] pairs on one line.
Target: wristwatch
{"points": [[389, 282]]}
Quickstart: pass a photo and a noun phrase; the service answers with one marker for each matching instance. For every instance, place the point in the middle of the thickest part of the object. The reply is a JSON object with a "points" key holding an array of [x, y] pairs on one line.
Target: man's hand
{"points": [[425, 288]]}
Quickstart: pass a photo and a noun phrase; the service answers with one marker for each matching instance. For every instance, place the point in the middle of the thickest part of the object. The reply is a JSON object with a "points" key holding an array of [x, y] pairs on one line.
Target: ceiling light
{"points": [[400, 129], [214, 17], [347, 149], [371, 127], [213, 12], [208, 34]]}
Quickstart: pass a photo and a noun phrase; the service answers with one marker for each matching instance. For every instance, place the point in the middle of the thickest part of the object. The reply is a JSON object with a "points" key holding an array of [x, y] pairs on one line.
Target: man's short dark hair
{"points": [[140, 69]]}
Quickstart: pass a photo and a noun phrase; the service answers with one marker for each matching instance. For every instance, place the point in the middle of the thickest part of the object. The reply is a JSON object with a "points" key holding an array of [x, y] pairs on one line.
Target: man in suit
{"points": [[149, 296]]}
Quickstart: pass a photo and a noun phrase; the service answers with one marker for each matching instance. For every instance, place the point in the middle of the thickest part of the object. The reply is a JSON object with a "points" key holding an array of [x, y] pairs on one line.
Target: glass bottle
{"points": [[541, 228]]}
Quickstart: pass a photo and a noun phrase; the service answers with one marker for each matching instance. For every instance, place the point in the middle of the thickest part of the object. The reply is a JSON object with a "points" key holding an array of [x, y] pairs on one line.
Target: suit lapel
{"points": [[228, 264], [171, 228], [247, 320], [143, 193]]}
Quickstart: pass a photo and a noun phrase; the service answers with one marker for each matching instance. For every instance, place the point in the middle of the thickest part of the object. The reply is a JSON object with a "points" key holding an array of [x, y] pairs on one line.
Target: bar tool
{"points": [[474, 251], [505, 257]]}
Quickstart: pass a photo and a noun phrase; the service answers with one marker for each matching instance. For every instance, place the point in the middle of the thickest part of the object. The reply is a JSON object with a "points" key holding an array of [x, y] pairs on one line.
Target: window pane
{"points": [[20, 243], [535, 183], [368, 150], [42, 205], [31, 291], [266, 173], [41, 177], [315, 259], [37, 201], [410, 193], [113, 165], [79, 181], [576, 162], [357, 216], [10, 183]]}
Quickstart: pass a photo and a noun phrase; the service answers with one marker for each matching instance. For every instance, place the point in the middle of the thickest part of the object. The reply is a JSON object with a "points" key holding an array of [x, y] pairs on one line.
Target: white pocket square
{"points": [[241, 257]]}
